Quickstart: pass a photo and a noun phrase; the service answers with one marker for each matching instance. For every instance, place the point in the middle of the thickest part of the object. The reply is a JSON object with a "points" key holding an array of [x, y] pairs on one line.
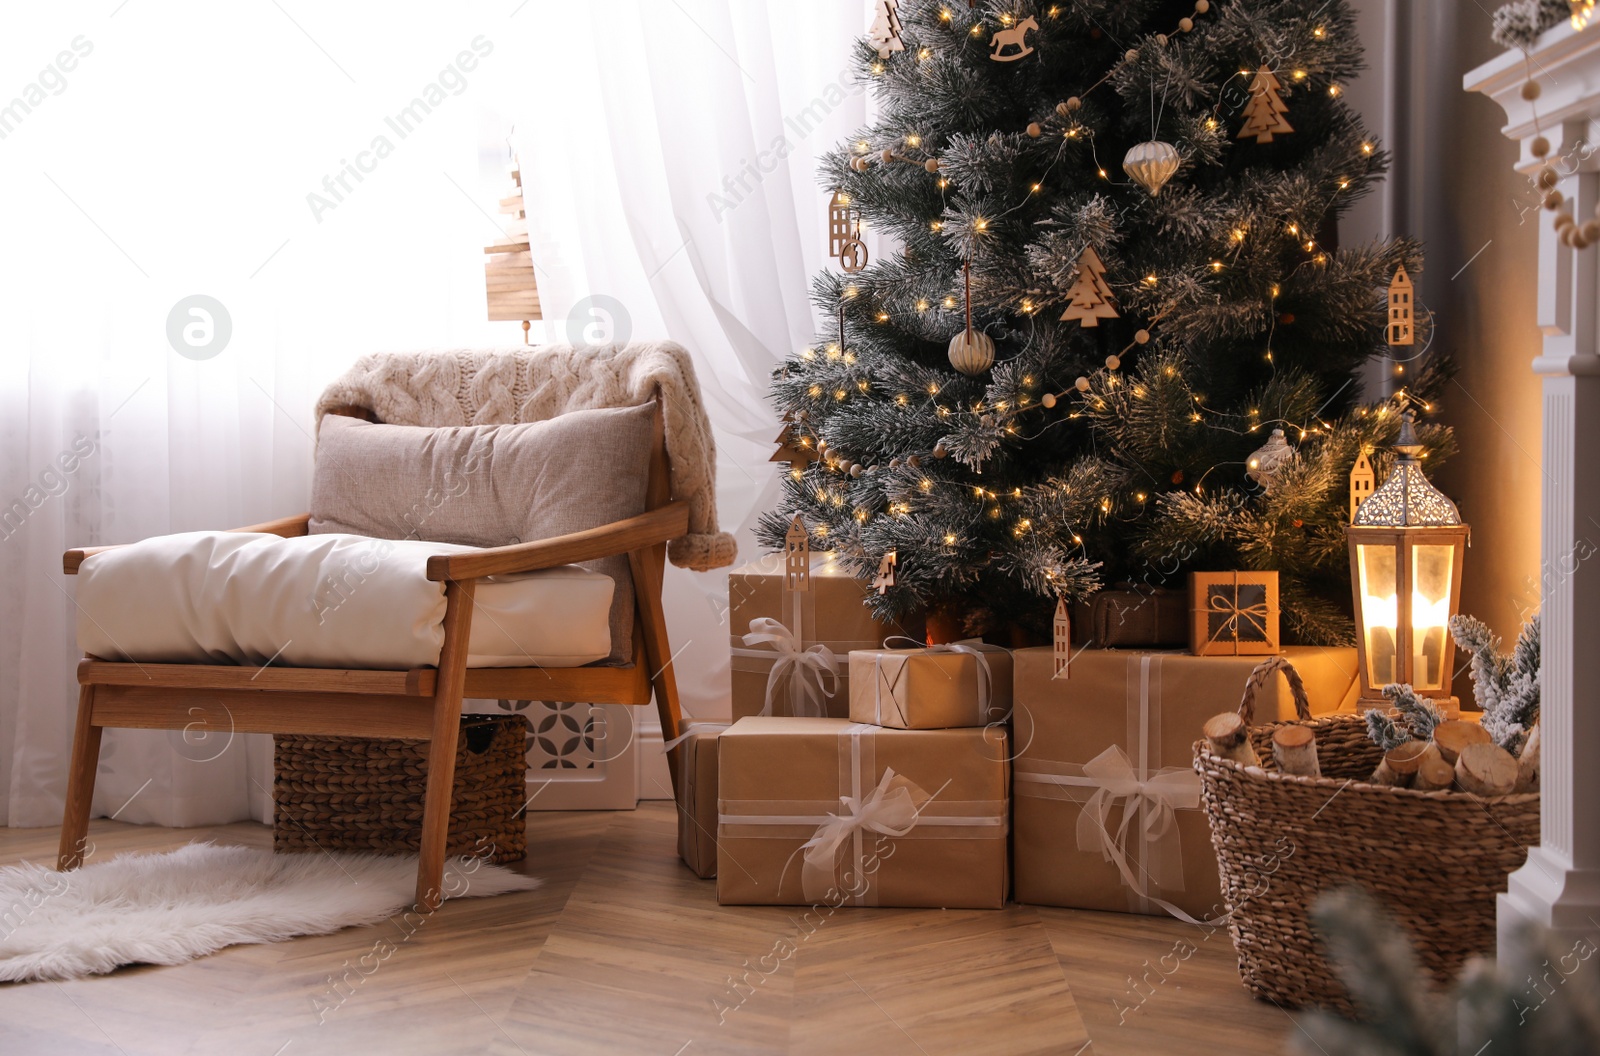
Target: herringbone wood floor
{"points": [[624, 951]]}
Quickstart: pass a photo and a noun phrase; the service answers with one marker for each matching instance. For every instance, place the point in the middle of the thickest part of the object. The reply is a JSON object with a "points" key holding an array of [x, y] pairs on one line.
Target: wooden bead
{"points": [[859, 164], [1539, 147], [1161, 38], [1564, 220], [886, 155], [915, 461], [932, 165], [1202, 6], [1131, 56], [939, 450], [857, 469], [1531, 90], [1048, 399], [1142, 337], [1185, 25], [1034, 130], [1548, 177], [1113, 362], [1082, 384], [1591, 231], [894, 463], [1553, 200], [1074, 103]]}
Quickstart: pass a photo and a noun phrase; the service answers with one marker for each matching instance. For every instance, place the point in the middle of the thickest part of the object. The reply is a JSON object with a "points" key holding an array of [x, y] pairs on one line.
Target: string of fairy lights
{"points": [[1064, 124]]}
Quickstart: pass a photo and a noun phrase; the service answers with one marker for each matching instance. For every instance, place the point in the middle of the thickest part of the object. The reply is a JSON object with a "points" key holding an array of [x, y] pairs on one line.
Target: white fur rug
{"points": [[171, 908]]}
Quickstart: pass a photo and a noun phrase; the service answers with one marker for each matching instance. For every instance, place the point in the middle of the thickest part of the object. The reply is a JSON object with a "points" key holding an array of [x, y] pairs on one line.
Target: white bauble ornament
{"points": [[972, 352], [1151, 165], [1265, 462]]}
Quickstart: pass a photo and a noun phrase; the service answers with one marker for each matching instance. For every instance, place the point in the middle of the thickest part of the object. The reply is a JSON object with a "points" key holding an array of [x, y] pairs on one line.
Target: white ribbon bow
{"points": [[806, 668], [985, 677], [888, 809], [1154, 800]]}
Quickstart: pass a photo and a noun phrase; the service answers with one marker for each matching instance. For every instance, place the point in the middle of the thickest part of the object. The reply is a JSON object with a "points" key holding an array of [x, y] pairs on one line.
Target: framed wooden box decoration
{"points": [[1233, 613]]}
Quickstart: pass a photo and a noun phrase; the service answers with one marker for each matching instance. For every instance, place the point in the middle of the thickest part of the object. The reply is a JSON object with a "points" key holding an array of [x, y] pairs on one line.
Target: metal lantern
{"points": [[1407, 542]]}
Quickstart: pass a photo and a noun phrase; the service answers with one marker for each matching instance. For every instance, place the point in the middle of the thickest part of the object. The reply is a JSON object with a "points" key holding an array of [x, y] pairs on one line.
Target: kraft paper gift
{"points": [[829, 812], [697, 796], [938, 687], [1107, 808], [801, 665]]}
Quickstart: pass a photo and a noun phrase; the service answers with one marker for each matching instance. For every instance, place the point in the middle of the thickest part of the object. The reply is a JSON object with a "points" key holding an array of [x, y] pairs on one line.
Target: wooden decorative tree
{"points": [[513, 292], [1090, 296], [793, 448], [885, 577], [1263, 114], [885, 31]]}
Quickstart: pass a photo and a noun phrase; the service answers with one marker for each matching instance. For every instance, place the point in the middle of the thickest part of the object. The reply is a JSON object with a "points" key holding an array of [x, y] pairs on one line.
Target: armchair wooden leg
{"points": [[80, 784], [648, 567], [442, 748]]}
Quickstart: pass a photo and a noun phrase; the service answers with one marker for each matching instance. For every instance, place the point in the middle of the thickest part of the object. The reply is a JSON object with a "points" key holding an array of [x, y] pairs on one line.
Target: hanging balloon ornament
{"points": [[971, 351], [1151, 165], [1268, 460], [1011, 44]]}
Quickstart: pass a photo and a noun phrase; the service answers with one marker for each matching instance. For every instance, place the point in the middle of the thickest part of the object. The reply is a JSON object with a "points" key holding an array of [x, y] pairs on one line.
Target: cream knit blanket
{"points": [[500, 387]]}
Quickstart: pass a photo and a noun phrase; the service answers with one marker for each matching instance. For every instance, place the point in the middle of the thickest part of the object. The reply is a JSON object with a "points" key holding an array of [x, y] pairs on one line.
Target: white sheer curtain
{"points": [[177, 155]]}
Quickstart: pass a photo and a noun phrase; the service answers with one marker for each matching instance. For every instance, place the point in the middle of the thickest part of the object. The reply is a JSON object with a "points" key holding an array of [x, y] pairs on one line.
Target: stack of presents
{"points": [[864, 768]]}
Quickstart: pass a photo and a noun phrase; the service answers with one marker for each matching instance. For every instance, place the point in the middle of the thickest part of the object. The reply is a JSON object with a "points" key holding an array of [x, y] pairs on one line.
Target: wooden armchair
{"points": [[424, 703]]}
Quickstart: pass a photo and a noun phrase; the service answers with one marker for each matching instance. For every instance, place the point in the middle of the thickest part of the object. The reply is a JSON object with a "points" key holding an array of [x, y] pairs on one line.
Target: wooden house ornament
{"points": [[797, 558], [513, 292], [1062, 638], [1363, 481], [841, 224], [1400, 309]]}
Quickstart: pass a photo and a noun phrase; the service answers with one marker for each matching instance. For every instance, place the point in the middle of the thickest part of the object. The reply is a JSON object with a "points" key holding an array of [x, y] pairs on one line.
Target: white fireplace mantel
{"points": [[1559, 886]]}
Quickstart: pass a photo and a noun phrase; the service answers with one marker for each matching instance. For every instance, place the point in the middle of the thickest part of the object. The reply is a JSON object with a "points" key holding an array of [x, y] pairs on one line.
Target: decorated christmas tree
{"points": [[1119, 218]]}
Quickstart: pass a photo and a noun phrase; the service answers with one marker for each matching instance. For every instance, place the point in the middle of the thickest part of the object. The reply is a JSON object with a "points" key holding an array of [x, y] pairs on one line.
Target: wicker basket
{"points": [[365, 794], [1435, 859]]}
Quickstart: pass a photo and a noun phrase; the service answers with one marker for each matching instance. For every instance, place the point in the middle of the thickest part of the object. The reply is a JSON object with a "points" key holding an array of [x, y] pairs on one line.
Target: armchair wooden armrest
{"points": [[619, 537], [288, 527]]}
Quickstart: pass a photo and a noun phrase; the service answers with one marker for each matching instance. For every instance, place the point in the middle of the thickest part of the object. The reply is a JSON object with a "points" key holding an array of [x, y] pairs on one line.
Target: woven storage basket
{"points": [[365, 794], [1435, 859]]}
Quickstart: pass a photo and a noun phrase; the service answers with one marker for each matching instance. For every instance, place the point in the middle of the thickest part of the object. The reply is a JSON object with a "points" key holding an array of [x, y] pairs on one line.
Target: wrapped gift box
{"points": [[832, 615], [893, 817], [1233, 613], [697, 797], [966, 684], [1118, 736]]}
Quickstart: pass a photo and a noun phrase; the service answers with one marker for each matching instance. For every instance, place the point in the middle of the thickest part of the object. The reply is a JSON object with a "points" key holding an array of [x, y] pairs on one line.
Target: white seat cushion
{"points": [[325, 601]]}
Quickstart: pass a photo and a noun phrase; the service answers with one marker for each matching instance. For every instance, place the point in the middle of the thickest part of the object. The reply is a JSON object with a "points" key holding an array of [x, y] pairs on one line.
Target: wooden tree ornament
{"points": [[885, 30], [793, 448], [885, 577], [513, 292], [1090, 297], [1263, 114], [1401, 317]]}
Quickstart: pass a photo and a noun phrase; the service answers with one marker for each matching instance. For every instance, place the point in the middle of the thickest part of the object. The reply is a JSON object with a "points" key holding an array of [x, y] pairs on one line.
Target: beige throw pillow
{"points": [[489, 485]]}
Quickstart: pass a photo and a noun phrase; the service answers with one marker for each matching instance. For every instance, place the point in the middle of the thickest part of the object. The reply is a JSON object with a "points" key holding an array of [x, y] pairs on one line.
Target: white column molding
{"points": [[1560, 884]]}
